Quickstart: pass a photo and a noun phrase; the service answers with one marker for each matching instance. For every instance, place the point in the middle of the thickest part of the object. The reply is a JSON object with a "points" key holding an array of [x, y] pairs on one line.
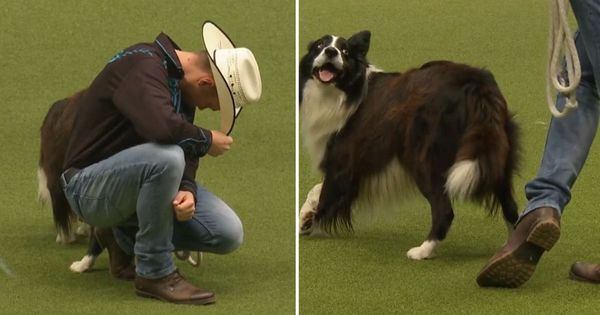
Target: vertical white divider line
{"points": [[297, 158]]}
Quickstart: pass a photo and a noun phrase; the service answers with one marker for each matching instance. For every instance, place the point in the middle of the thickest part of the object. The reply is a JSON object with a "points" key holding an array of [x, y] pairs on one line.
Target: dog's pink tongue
{"points": [[326, 75]]}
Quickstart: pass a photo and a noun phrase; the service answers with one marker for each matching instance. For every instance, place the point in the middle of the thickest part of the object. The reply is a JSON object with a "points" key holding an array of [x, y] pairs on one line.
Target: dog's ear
{"points": [[310, 45], [360, 42]]}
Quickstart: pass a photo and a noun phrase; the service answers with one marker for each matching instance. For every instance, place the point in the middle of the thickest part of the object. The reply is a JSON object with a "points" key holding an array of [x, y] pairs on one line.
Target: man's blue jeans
{"points": [[569, 138], [132, 191]]}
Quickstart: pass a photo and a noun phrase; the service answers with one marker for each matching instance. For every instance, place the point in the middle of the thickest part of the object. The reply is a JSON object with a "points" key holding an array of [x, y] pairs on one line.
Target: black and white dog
{"points": [[55, 134], [444, 128]]}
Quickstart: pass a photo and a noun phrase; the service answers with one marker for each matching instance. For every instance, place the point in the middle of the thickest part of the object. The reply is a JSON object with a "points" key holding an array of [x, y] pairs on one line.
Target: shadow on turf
{"points": [[385, 245]]}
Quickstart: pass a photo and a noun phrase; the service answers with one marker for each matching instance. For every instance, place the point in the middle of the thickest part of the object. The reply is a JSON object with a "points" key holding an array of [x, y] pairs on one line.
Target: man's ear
{"points": [[360, 42], [205, 80]]}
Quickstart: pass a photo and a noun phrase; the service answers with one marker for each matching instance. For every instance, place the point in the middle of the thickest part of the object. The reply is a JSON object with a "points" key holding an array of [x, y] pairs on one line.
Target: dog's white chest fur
{"points": [[324, 112]]}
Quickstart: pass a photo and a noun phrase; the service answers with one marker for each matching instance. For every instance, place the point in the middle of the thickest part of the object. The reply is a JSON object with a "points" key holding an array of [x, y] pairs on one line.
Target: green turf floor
{"points": [[50, 49], [368, 273]]}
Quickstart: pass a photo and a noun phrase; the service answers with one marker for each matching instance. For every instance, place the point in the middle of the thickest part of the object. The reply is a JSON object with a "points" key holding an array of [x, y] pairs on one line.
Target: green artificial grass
{"points": [[368, 272], [51, 49]]}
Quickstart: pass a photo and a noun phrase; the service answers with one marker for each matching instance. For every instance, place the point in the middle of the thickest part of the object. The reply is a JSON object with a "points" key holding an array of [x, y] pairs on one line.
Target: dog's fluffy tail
{"points": [[463, 179], [43, 192], [55, 133], [488, 150]]}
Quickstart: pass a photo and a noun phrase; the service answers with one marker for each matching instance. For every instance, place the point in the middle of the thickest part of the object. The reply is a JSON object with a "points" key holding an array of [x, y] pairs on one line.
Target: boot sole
{"points": [[514, 268], [209, 300]]}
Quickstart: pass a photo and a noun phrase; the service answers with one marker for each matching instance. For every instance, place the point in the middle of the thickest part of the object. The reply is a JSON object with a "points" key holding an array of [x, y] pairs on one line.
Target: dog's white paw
{"points": [[417, 253], [309, 209], [83, 265], [425, 251], [306, 222]]}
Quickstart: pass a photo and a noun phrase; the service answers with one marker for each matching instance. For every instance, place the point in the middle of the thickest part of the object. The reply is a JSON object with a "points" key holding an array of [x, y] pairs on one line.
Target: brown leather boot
{"points": [[515, 263], [586, 272], [173, 288], [122, 265]]}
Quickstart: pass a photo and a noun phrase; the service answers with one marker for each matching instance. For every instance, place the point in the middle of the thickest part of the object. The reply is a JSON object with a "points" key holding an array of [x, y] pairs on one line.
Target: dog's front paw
{"points": [[83, 265], [309, 209], [425, 251], [306, 222]]}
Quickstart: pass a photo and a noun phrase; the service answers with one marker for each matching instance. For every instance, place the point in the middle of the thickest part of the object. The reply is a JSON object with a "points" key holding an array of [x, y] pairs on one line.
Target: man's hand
{"points": [[221, 143], [184, 205]]}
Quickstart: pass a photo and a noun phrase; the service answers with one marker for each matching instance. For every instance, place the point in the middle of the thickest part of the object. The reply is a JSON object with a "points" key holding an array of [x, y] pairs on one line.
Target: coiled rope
{"points": [[560, 39]]}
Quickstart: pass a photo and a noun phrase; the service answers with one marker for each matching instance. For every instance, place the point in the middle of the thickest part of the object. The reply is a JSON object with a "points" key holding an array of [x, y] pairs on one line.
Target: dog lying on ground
{"points": [[444, 128]]}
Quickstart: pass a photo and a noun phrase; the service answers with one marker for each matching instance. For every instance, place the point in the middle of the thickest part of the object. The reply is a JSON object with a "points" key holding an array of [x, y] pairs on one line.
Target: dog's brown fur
{"points": [[55, 134]]}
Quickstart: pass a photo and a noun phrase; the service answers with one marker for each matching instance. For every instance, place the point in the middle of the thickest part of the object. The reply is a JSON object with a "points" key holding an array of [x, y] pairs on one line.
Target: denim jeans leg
{"points": [[140, 182], [569, 138], [587, 13], [214, 228]]}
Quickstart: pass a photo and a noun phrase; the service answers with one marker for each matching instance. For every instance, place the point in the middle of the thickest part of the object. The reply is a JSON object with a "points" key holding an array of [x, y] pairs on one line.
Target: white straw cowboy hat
{"points": [[235, 72]]}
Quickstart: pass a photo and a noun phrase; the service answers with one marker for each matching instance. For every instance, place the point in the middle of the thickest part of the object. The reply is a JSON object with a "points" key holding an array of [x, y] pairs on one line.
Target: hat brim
{"points": [[226, 103], [214, 38]]}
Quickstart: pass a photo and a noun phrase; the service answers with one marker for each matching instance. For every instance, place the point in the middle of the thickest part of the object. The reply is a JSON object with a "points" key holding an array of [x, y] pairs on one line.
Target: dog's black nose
{"points": [[331, 52]]}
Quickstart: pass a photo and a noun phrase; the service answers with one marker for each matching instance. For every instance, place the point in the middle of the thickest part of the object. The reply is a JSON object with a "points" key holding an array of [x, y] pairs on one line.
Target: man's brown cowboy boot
{"points": [[173, 288], [586, 272], [515, 263]]}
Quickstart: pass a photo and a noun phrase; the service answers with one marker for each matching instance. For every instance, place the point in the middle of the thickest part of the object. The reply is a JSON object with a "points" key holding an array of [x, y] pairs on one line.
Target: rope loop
{"points": [[561, 41]]}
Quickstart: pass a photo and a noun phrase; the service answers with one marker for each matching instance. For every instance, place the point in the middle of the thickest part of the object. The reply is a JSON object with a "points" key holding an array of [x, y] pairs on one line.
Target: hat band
{"points": [[235, 85]]}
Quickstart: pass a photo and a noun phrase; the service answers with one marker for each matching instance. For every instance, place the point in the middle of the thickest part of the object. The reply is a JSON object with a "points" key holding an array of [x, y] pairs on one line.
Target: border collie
{"points": [[55, 134], [444, 128]]}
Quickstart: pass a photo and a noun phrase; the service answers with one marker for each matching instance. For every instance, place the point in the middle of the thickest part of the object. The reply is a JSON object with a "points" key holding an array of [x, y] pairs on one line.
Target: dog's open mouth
{"points": [[327, 73]]}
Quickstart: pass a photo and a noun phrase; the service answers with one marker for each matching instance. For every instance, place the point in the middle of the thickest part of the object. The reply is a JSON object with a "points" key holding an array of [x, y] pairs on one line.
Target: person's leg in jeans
{"points": [[214, 228], [140, 181], [567, 146], [569, 138]]}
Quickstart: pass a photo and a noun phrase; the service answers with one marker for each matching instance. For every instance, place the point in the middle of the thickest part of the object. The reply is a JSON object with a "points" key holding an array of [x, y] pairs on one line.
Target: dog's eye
{"points": [[345, 51], [320, 45]]}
